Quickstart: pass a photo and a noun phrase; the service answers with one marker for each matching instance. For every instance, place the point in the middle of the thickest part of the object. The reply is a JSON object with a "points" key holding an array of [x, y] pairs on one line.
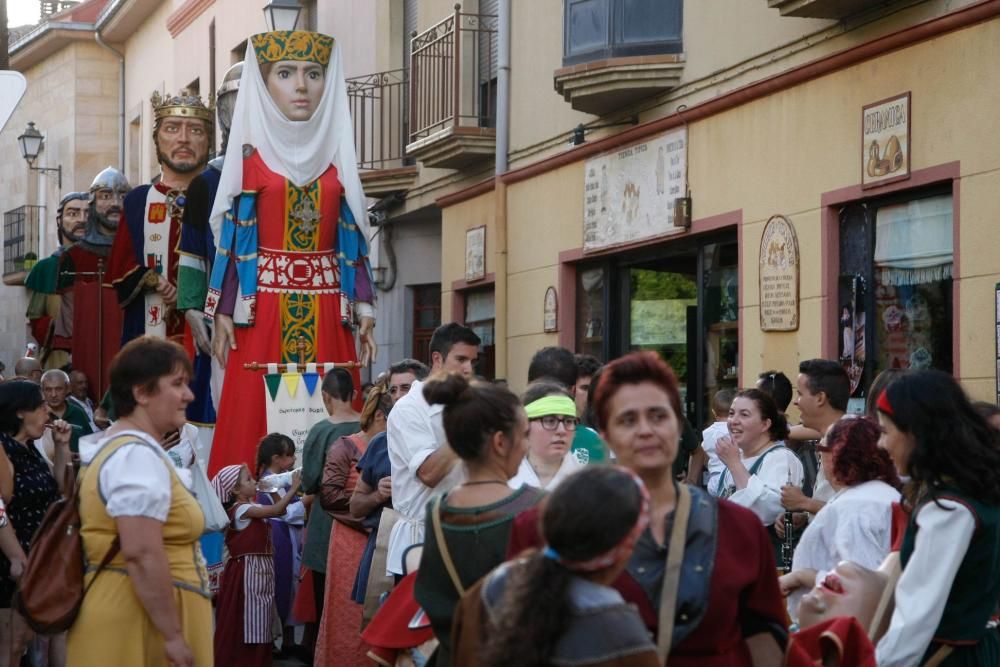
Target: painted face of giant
{"points": [[296, 87], [74, 220], [108, 207], [182, 144]]}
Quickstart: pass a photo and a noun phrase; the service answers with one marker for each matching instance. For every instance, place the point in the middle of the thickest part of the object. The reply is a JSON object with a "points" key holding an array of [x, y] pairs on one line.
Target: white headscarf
{"points": [[298, 150]]}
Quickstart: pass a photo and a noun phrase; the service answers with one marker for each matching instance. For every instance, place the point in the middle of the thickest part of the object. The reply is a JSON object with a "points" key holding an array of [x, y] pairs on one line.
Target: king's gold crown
{"points": [[180, 106]]}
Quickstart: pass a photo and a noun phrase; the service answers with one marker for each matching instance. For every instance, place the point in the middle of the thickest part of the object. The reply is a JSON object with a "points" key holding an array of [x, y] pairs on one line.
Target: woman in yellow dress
{"points": [[150, 605]]}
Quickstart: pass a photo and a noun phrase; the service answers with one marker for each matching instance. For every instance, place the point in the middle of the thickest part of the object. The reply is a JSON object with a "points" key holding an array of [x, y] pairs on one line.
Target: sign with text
{"points": [[885, 141], [629, 194], [294, 403], [779, 276]]}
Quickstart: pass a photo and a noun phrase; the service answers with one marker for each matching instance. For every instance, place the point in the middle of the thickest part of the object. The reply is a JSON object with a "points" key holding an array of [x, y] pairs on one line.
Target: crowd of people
{"points": [[450, 522], [431, 516]]}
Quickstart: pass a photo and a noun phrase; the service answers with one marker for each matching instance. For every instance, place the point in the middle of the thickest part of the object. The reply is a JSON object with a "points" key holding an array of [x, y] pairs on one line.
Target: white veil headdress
{"points": [[298, 150]]}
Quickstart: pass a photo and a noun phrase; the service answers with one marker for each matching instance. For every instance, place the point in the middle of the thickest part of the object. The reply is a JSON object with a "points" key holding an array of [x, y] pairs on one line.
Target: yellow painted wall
{"points": [[779, 155], [455, 221], [149, 66]]}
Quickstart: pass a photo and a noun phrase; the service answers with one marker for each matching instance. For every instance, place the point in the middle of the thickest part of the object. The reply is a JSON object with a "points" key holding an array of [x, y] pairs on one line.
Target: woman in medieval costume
{"points": [[290, 223]]}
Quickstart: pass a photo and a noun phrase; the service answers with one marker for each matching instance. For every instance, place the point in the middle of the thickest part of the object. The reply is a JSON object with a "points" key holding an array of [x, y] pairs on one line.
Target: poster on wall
{"points": [[779, 276], [853, 327], [629, 194], [885, 141]]}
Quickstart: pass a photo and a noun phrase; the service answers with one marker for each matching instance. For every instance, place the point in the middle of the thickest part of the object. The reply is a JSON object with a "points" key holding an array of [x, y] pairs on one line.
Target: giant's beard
{"points": [[182, 167]]}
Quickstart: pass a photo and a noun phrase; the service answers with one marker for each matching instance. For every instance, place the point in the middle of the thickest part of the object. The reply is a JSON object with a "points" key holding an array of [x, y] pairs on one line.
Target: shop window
{"points": [[426, 318], [480, 316], [895, 304], [591, 302], [602, 29]]}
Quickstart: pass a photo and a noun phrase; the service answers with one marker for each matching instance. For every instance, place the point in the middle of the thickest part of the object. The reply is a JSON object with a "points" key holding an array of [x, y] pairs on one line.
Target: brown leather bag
{"points": [[51, 589]]}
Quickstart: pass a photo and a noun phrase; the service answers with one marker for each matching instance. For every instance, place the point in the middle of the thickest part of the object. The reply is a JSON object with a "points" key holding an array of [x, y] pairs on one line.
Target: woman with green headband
{"points": [[552, 423]]}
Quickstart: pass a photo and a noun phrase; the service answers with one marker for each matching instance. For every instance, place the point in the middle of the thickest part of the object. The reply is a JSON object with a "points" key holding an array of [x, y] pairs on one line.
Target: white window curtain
{"points": [[480, 306], [913, 241]]}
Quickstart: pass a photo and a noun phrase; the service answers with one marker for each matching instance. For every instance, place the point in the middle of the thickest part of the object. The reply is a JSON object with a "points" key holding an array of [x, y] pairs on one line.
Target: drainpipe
{"points": [[500, 189], [121, 99]]}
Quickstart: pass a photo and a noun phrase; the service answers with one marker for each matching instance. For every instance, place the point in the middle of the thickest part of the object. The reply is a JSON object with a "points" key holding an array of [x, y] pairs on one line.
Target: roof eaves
{"points": [[47, 27], [108, 13]]}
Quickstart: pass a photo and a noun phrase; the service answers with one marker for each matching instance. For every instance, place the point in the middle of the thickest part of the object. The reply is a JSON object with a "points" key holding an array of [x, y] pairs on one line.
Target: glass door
{"points": [[662, 307], [684, 305]]}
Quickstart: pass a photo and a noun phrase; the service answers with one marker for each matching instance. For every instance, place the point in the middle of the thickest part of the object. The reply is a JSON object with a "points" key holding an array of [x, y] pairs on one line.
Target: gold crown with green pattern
{"points": [[180, 106], [311, 47]]}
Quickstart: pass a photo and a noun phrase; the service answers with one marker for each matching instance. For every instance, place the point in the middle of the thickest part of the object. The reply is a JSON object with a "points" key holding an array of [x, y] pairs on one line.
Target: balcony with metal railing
{"points": [[379, 104], [20, 242], [452, 111]]}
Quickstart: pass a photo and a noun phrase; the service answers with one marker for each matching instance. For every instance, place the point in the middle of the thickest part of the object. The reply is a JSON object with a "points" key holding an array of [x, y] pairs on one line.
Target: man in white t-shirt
{"points": [[422, 462]]}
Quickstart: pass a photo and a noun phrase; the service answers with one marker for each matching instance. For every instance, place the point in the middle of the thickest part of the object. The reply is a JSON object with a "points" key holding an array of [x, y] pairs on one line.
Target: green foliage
{"points": [[656, 285]]}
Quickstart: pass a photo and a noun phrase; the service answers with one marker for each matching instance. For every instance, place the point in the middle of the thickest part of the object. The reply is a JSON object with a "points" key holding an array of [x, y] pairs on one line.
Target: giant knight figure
{"points": [[97, 320], [289, 221], [144, 259], [50, 314]]}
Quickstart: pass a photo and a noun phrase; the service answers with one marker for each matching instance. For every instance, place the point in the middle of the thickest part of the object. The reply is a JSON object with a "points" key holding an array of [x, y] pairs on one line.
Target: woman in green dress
{"points": [[947, 593], [468, 528]]}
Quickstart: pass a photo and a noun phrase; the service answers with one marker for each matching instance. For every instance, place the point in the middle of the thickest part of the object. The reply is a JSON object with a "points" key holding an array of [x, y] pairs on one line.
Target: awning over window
{"points": [[913, 241]]}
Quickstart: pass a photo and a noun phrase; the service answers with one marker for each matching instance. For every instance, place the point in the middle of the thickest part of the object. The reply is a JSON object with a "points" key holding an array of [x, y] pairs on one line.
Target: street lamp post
{"points": [[30, 144], [282, 14]]}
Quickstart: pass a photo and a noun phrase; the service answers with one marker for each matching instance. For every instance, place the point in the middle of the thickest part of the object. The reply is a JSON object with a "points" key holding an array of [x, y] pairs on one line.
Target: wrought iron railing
{"points": [[20, 239], [378, 108], [453, 74]]}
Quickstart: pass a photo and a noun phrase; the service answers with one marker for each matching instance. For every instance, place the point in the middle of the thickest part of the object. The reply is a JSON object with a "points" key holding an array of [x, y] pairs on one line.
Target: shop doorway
{"points": [[680, 300]]}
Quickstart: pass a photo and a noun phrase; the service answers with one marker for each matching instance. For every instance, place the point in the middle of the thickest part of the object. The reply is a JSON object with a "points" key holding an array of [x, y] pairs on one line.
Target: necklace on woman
{"points": [[485, 481]]}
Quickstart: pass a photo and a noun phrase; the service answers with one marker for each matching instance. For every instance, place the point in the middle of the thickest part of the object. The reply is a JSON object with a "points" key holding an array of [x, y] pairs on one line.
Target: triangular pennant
{"points": [[272, 382], [311, 380], [292, 382]]}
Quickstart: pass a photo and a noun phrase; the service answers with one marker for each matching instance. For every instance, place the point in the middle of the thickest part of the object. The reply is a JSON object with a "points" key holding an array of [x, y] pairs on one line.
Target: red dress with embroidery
{"points": [[287, 251]]}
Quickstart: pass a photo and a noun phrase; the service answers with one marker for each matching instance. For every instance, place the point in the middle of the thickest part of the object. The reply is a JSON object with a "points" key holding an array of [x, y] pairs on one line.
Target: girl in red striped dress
{"points": [[245, 603]]}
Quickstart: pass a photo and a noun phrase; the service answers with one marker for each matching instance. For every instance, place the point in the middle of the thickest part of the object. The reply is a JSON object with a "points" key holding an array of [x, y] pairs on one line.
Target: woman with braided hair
{"points": [[556, 606]]}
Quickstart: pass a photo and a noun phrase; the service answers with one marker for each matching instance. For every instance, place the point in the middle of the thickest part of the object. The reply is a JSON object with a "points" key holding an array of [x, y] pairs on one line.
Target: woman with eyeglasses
{"points": [[552, 423], [855, 524]]}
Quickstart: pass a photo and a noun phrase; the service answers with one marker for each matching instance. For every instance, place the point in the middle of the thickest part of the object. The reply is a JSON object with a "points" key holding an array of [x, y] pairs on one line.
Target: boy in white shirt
{"points": [[721, 402]]}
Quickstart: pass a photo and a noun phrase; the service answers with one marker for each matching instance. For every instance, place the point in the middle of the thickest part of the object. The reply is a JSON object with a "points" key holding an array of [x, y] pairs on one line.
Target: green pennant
{"points": [[273, 382]]}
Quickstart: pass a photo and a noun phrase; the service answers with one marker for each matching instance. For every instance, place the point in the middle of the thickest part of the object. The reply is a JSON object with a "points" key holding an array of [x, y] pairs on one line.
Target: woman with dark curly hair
{"points": [[556, 606], [950, 554], [855, 524]]}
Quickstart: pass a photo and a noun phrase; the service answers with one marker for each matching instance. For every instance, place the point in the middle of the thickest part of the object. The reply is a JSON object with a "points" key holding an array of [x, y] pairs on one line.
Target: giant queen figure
{"points": [[290, 226]]}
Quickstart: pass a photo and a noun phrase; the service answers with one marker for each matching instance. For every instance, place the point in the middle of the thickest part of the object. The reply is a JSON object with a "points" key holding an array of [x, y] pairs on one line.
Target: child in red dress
{"points": [[245, 604]]}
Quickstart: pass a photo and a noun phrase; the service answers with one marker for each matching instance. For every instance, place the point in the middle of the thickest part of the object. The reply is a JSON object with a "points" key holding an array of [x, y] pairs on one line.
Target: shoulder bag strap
{"points": [[760, 461], [449, 564], [939, 655], [672, 572]]}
